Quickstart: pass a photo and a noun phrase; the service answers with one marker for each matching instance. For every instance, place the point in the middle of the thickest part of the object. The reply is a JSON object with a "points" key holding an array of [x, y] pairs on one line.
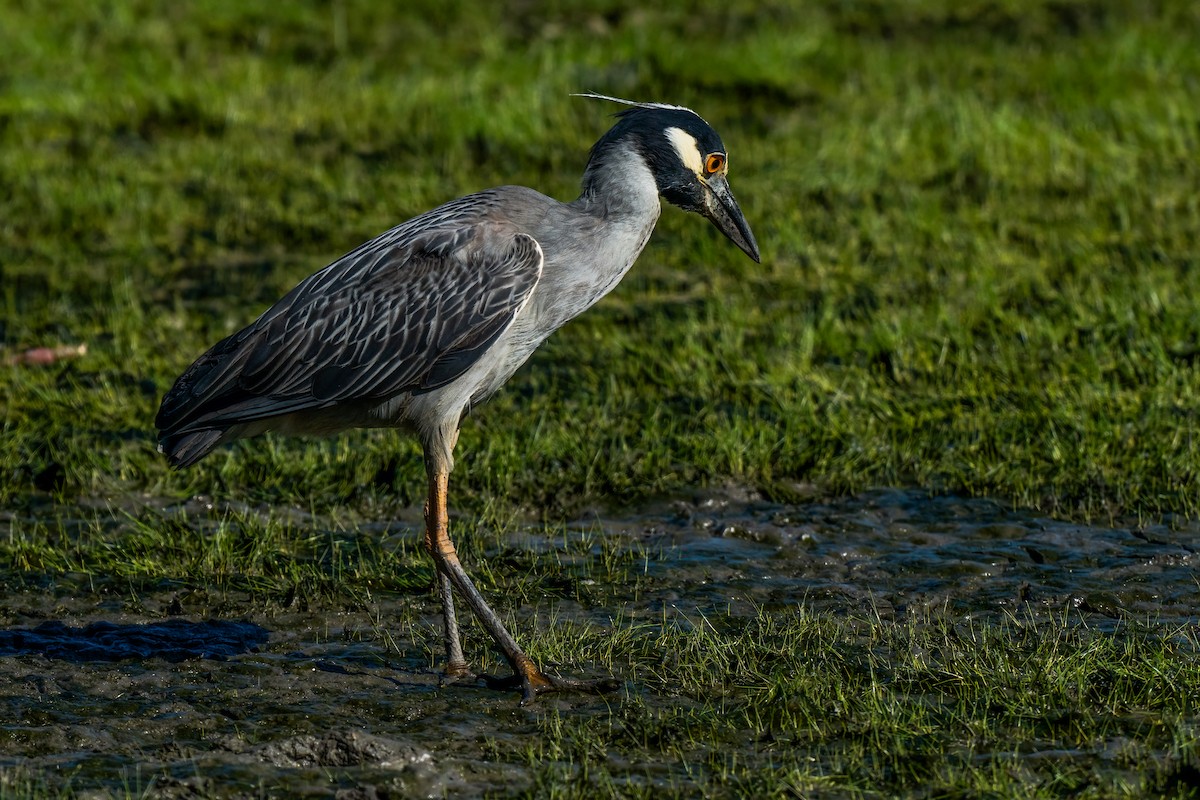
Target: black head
{"points": [[688, 160]]}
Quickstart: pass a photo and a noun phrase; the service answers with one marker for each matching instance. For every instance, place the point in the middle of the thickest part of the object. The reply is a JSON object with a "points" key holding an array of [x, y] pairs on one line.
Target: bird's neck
{"points": [[618, 186], [598, 238]]}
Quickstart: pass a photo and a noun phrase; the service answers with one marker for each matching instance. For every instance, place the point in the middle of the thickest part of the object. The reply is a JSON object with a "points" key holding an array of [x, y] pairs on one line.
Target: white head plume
{"points": [[633, 103]]}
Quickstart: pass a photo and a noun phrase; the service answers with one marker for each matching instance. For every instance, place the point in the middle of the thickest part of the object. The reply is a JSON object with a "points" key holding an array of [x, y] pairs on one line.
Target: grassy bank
{"points": [[979, 224]]}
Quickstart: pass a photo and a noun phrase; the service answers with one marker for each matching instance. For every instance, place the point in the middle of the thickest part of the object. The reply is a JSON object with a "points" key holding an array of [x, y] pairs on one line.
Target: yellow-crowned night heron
{"points": [[421, 323]]}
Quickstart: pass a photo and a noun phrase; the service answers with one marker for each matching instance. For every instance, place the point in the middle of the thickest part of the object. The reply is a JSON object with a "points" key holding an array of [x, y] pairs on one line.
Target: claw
{"points": [[537, 683], [599, 686], [458, 669], [457, 674]]}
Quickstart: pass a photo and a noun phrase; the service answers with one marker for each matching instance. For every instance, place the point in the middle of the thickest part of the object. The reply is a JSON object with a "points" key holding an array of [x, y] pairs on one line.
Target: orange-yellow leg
{"points": [[452, 575]]}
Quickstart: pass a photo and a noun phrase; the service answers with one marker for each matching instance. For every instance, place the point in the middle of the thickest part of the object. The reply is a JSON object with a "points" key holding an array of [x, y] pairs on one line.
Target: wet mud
{"points": [[148, 696], [898, 550]]}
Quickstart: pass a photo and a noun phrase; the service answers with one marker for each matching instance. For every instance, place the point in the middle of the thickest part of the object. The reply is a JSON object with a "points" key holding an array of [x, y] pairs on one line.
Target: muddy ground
{"points": [[175, 693]]}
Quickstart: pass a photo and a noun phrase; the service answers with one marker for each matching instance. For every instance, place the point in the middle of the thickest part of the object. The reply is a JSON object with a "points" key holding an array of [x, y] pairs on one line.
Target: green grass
{"points": [[787, 705], [979, 222], [980, 228]]}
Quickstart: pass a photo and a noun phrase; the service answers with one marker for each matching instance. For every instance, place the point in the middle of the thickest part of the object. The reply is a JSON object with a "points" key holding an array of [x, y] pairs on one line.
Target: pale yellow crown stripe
{"points": [[688, 149]]}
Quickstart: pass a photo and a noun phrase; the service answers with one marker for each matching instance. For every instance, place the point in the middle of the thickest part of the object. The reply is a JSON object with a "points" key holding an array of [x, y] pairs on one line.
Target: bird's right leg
{"points": [[456, 663]]}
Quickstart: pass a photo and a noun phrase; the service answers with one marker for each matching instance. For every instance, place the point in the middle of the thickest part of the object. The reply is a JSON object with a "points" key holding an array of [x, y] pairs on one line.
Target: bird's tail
{"points": [[187, 447]]}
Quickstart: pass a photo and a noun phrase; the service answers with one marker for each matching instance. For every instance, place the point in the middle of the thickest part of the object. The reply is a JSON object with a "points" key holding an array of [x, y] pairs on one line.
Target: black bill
{"points": [[723, 211]]}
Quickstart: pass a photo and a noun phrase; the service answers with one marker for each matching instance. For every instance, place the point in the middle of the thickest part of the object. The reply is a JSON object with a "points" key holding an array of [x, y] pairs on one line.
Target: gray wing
{"points": [[403, 313]]}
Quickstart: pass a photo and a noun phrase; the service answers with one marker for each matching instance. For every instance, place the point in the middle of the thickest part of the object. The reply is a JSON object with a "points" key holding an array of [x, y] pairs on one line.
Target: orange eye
{"points": [[714, 163]]}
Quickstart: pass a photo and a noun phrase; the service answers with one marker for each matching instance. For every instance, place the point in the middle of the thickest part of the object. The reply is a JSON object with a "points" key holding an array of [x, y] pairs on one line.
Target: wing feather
{"points": [[409, 311]]}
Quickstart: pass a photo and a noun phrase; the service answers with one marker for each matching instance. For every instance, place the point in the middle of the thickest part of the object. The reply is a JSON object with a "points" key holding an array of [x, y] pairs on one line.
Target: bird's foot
{"points": [[457, 672], [535, 683]]}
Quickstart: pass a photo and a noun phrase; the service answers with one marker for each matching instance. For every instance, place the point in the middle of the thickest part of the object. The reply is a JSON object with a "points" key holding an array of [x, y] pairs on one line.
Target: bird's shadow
{"points": [[172, 640]]}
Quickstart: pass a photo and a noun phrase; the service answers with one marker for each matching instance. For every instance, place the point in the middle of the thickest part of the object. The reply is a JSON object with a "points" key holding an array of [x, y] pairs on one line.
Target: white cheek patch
{"points": [[688, 149]]}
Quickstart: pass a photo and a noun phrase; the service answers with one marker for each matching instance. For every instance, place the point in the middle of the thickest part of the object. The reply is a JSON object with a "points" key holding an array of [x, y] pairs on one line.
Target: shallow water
{"points": [[899, 549], [115, 698]]}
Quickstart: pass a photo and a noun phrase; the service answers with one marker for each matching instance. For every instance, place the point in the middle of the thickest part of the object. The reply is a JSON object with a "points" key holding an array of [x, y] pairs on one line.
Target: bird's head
{"points": [[688, 161]]}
